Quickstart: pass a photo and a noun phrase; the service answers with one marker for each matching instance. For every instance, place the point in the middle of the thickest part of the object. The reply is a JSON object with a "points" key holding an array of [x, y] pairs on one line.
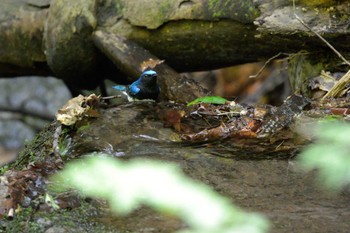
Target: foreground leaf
{"points": [[330, 155], [161, 186]]}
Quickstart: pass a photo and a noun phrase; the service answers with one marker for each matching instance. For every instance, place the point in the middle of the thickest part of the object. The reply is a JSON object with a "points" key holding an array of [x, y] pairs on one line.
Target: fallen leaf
{"points": [[150, 64], [76, 108]]}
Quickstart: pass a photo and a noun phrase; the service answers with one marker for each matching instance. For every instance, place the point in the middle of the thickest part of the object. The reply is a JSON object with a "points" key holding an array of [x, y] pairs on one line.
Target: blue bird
{"points": [[145, 87]]}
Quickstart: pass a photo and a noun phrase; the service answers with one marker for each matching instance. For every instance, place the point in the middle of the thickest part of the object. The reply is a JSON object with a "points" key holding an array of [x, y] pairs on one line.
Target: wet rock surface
{"points": [[277, 188], [290, 198]]}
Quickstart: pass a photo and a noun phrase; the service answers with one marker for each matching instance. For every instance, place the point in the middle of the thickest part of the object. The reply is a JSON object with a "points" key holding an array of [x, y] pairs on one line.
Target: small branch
{"points": [[345, 80], [55, 142], [319, 36], [338, 87], [110, 97], [324, 40], [326, 75], [264, 66]]}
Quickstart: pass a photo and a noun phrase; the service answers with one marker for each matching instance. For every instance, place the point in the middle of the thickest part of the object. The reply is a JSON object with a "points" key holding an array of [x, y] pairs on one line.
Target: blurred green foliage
{"points": [[330, 155], [163, 187]]}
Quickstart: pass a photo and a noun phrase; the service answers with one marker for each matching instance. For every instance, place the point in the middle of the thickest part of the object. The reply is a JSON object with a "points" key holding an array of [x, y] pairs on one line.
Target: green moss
{"points": [[209, 42], [37, 149], [242, 10], [79, 219], [317, 3], [40, 149], [3, 169], [301, 67], [20, 223]]}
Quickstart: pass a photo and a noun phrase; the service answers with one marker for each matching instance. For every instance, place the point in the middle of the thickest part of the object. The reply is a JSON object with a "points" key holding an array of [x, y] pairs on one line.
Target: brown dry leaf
{"points": [[93, 100], [14, 187], [150, 64], [76, 108], [173, 118], [5, 203], [92, 113]]}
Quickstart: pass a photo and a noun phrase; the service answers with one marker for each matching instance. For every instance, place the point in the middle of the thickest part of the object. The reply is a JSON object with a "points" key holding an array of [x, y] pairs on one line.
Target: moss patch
{"points": [[243, 11]]}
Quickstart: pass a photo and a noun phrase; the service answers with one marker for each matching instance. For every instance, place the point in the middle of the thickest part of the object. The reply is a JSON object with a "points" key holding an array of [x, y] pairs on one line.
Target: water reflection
{"points": [[277, 188]]}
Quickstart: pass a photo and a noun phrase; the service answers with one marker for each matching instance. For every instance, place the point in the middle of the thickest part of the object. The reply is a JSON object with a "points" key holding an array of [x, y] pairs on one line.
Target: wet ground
{"points": [[291, 199], [288, 198]]}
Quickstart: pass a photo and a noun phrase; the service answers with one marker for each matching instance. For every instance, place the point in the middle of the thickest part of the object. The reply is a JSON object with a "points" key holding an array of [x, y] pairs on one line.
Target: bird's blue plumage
{"points": [[133, 88], [145, 87], [149, 72], [120, 88]]}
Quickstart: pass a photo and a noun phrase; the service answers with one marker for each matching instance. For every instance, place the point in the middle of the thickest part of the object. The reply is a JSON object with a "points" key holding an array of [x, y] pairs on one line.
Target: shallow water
{"points": [[290, 198]]}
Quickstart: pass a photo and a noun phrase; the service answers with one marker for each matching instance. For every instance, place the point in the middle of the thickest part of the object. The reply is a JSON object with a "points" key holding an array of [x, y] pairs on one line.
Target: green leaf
{"points": [[329, 155], [208, 100], [51, 202]]}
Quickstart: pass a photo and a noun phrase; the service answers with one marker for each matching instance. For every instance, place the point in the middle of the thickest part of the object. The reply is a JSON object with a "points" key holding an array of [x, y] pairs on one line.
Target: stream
{"points": [[277, 188], [274, 186]]}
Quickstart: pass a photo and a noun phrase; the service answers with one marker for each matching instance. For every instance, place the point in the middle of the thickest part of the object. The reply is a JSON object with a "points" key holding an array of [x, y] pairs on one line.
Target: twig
{"points": [[264, 66], [11, 213], [110, 97], [338, 86], [55, 142], [345, 80], [319, 36], [326, 75]]}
